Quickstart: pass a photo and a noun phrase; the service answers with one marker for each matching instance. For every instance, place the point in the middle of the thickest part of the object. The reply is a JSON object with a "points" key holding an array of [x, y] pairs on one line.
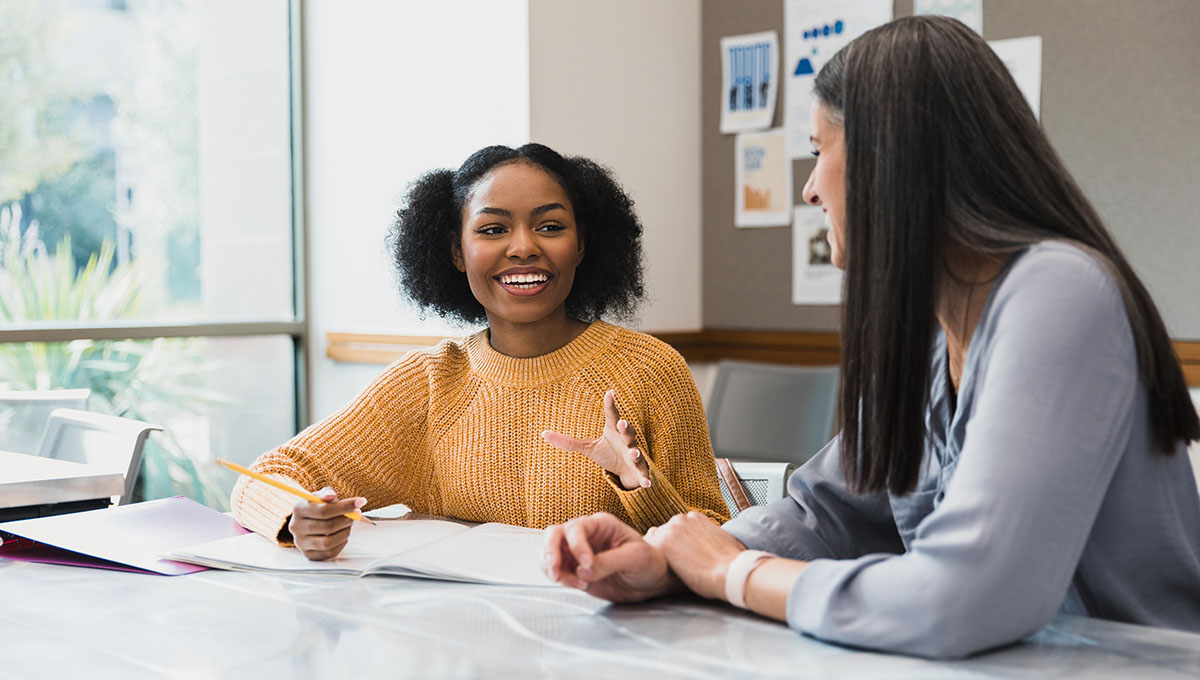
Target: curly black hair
{"points": [[607, 282]]}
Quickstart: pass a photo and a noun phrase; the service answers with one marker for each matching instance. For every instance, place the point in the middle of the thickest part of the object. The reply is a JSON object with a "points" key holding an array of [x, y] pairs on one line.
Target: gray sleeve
{"points": [[820, 517], [1054, 388]]}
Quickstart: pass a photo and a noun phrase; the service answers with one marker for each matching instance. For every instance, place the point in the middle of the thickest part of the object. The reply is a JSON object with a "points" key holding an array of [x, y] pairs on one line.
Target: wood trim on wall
{"points": [[779, 347], [363, 348], [1189, 358], [782, 347]]}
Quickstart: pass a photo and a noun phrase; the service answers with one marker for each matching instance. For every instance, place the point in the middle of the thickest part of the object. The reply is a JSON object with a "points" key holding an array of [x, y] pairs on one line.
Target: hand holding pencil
{"points": [[320, 526]]}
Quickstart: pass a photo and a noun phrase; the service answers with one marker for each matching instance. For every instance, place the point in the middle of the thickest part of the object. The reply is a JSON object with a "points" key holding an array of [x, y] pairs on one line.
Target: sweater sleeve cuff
{"points": [[649, 506], [264, 509]]}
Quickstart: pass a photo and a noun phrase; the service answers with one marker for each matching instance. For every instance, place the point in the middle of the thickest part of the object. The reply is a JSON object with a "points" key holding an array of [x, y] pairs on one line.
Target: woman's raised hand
{"points": [[606, 557], [321, 530], [615, 450]]}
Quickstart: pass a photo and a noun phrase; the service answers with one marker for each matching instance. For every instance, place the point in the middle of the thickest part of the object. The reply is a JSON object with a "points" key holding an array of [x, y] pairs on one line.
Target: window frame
{"points": [[298, 329]]}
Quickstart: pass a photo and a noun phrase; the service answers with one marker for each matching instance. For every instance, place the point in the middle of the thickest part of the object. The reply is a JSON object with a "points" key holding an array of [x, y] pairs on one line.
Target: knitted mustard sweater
{"points": [[456, 431]]}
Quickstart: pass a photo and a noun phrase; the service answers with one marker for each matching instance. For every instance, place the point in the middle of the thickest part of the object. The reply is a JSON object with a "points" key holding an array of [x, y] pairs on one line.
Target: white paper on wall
{"points": [[750, 79], [970, 12], [1023, 57], [762, 180], [815, 281], [814, 30]]}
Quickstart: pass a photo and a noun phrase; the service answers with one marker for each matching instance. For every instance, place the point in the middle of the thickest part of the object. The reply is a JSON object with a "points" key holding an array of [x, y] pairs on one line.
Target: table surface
{"points": [[60, 621], [26, 479]]}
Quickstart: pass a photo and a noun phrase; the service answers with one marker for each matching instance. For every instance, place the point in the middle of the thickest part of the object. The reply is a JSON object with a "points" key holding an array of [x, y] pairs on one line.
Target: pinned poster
{"points": [[970, 12], [749, 75], [763, 180], [814, 31], [815, 281], [1023, 57]]}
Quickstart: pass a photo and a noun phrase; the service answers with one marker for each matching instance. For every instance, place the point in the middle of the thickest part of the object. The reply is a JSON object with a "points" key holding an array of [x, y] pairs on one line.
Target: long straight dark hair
{"points": [[943, 154]]}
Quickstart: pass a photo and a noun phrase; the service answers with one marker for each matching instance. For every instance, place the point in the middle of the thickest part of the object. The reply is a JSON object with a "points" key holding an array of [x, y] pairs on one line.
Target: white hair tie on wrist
{"points": [[739, 572]]}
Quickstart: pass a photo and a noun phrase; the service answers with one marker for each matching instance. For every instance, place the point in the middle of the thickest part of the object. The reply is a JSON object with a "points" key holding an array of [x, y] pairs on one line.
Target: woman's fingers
{"points": [[627, 431], [320, 539], [578, 542], [616, 450], [626, 558], [559, 561], [328, 510], [641, 469], [555, 562], [562, 441], [610, 409], [321, 530]]}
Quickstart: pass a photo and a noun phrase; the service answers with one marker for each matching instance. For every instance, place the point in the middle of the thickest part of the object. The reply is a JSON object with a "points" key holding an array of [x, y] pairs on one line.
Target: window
{"points": [[148, 229]]}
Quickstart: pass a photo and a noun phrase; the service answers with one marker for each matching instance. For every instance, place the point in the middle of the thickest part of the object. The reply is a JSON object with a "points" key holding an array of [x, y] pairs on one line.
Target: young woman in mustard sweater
{"points": [[546, 414]]}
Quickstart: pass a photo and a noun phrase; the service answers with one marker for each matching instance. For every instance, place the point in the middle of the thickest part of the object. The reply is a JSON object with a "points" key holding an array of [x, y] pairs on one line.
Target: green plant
{"points": [[158, 381]]}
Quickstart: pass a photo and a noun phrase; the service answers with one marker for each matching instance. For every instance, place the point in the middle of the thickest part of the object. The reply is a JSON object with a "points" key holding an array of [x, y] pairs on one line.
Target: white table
{"points": [[59, 622]]}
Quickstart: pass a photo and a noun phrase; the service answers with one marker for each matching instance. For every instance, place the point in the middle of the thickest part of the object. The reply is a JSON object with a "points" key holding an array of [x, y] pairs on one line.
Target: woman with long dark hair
{"points": [[1013, 418]]}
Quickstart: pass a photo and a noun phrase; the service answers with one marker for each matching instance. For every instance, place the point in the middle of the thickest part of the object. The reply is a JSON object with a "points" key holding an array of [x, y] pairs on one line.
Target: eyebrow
{"points": [[540, 210]]}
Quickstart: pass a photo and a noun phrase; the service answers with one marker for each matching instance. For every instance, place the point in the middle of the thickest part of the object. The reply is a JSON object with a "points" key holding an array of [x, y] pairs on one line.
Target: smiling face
{"points": [[519, 248], [826, 186]]}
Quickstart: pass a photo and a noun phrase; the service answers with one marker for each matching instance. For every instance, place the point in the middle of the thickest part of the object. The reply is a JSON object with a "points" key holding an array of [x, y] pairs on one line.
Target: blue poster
{"points": [[749, 68]]}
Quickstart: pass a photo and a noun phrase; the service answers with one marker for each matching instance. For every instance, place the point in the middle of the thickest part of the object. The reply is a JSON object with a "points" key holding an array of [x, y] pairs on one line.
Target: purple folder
{"points": [[125, 538]]}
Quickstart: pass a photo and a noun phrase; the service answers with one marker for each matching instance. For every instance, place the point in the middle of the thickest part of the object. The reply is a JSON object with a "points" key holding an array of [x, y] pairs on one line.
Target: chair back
{"points": [[771, 412], [24, 413], [106, 443]]}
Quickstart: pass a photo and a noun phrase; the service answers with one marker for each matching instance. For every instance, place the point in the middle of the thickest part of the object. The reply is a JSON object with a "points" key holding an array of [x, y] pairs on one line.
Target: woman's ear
{"points": [[579, 257], [457, 256]]}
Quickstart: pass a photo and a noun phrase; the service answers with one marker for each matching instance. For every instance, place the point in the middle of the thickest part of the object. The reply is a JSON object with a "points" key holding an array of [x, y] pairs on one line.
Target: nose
{"points": [[810, 189], [523, 244]]}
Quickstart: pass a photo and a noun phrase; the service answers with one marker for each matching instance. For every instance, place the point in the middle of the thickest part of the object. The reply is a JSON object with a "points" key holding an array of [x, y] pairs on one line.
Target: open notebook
{"points": [[486, 553]]}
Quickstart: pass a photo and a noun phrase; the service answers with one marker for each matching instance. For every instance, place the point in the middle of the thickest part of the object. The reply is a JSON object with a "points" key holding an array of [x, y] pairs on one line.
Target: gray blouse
{"points": [[1041, 490]]}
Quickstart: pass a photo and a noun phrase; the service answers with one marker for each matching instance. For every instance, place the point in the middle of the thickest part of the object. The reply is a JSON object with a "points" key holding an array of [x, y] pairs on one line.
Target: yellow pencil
{"points": [[354, 515]]}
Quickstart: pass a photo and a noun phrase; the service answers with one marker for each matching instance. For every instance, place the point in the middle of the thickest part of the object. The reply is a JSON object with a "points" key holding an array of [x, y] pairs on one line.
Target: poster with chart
{"points": [[814, 30], [749, 75], [815, 281], [763, 179], [970, 12]]}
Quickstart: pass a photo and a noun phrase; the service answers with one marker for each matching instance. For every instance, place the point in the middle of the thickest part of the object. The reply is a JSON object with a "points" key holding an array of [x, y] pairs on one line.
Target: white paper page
{"points": [[367, 544], [814, 30], [488, 553]]}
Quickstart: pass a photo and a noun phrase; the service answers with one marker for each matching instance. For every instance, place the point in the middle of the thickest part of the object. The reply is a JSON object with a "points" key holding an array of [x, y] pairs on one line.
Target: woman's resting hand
{"points": [[606, 557], [697, 551]]}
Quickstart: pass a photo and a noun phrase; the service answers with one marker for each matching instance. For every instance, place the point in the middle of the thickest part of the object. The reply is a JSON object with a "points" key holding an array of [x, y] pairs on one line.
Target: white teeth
{"points": [[524, 280]]}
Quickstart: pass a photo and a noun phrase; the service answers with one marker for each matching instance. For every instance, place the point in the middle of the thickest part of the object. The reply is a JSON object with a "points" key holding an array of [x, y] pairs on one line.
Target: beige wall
{"points": [[391, 90], [618, 81], [614, 81]]}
